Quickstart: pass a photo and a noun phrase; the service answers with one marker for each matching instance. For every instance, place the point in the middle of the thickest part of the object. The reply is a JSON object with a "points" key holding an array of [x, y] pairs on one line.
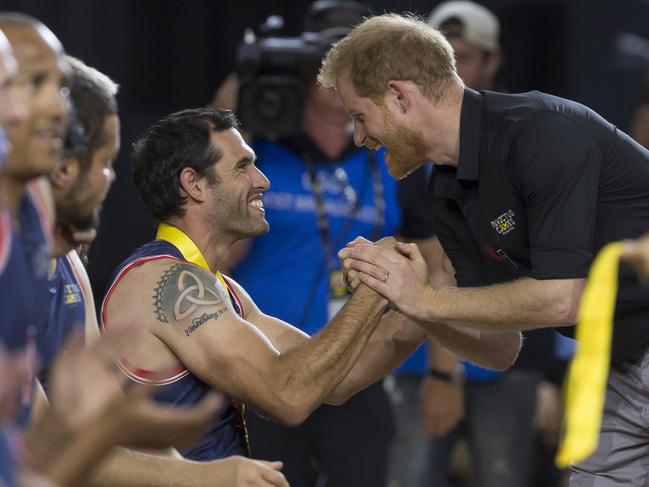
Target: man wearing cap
{"points": [[527, 189]]}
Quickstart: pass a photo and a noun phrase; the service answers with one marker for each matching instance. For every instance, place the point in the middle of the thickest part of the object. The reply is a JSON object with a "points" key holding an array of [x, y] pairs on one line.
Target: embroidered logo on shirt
{"points": [[71, 294], [505, 223]]}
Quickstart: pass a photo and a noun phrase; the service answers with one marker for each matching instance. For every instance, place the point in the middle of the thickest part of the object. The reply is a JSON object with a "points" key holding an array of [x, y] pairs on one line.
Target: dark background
{"points": [[172, 54]]}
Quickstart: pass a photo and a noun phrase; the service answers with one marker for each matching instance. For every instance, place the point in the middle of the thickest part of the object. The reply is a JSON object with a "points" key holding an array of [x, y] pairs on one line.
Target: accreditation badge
{"points": [[338, 294]]}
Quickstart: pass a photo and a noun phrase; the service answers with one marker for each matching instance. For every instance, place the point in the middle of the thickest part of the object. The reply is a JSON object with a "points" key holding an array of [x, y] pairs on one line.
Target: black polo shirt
{"points": [[542, 184]]}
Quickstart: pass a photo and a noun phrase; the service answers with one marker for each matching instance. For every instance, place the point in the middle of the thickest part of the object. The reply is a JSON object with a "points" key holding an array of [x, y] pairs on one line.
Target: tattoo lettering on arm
{"points": [[184, 290]]}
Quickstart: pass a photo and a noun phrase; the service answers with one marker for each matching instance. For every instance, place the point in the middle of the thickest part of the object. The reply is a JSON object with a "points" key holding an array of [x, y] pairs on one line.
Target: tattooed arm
{"points": [[185, 308]]}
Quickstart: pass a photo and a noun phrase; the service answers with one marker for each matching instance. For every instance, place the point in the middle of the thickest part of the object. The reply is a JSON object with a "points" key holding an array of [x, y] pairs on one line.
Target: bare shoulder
{"points": [[165, 290], [173, 302]]}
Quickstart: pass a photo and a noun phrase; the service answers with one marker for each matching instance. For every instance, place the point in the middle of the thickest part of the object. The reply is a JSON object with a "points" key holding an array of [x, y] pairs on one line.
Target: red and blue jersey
{"points": [[226, 435], [24, 259], [67, 313]]}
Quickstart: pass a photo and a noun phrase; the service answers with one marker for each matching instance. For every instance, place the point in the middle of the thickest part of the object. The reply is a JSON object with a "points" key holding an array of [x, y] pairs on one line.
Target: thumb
{"points": [[409, 250], [275, 465]]}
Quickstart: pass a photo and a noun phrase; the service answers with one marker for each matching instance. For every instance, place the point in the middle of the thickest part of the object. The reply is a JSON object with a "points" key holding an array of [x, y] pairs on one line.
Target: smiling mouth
{"points": [[258, 204]]}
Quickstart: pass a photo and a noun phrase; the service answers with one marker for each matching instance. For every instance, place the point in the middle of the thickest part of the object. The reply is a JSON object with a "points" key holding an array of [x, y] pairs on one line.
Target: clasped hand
{"points": [[394, 269]]}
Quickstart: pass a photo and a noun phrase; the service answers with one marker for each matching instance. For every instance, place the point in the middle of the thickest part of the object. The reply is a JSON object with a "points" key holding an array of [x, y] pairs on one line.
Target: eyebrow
{"points": [[250, 159]]}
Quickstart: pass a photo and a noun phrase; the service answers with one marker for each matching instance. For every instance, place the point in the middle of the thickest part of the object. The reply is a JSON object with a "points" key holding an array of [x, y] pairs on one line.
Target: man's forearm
{"points": [[492, 349], [129, 468], [520, 305], [392, 342], [315, 369]]}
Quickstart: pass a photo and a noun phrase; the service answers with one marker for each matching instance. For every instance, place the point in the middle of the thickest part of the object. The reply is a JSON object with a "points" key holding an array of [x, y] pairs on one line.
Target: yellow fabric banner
{"points": [[585, 387]]}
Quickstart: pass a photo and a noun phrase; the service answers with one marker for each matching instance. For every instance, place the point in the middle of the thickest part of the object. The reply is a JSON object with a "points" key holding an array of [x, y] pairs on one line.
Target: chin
{"points": [[400, 171]]}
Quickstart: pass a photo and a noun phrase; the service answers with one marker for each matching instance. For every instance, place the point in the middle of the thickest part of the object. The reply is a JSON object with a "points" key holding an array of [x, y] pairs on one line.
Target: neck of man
{"points": [[13, 191], [214, 245], [328, 128], [444, 133], [62, 244]]}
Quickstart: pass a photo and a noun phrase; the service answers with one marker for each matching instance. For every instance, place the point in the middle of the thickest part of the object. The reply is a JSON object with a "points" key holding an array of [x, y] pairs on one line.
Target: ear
{"points": [[401, 95], [193, 186], [65, 173]]}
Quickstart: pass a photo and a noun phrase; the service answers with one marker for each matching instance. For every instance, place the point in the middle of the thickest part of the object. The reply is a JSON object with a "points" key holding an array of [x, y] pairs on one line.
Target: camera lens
{"points": [[270, 104]]}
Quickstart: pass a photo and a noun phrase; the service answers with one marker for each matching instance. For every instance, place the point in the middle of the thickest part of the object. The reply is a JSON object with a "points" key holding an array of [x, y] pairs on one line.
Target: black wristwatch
{"points": [[456, 375]]}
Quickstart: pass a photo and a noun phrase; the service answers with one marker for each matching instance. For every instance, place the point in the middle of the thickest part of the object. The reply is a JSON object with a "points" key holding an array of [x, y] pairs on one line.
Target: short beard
{"points": [[406, 149]]}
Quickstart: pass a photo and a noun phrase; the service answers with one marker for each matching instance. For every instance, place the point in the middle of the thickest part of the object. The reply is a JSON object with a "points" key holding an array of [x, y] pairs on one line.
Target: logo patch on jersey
{"points": [[505, 223], [71, 294]]}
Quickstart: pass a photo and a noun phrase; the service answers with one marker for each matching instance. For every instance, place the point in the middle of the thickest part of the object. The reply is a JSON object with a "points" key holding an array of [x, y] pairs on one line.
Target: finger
{"points": [[275, 464], [377, 285], [344, 253], [370, 269], [387, 242], [273, 477], [409, 250], [376, 255], [351, 279], [358, 241]]}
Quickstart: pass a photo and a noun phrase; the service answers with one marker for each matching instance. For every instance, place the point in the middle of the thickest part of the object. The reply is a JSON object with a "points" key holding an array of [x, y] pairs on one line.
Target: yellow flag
{"points": [[586, 382]]}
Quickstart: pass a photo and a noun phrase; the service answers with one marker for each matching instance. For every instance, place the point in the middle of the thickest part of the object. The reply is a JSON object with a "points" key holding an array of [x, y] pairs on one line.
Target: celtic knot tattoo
{"points": [[182, 290]]}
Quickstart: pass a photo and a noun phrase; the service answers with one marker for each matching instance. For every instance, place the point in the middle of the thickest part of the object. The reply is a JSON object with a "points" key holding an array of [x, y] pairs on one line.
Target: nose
{"points": [[359, 135], [260, 180]]}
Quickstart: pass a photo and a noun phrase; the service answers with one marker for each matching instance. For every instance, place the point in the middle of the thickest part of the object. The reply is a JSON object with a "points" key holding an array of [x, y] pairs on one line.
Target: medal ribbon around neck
{"points": [[192, 254], [187, 247]]}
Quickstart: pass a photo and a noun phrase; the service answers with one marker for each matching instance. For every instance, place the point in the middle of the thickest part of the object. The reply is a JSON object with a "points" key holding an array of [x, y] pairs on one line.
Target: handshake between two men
{"points": [[399, 272]]}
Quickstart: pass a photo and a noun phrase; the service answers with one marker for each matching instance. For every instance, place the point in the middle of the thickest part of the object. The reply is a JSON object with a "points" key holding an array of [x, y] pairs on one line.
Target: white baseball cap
{"points": [[479, 25]]}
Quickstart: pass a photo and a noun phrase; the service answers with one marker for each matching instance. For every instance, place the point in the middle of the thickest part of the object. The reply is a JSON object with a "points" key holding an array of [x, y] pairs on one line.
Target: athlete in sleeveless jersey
{"points": [[67, 313], [226, 435], [25, 256]]}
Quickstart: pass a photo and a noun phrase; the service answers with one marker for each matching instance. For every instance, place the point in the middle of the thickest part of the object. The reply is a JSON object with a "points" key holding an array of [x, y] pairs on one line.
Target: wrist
{"points": [[425, 309]]}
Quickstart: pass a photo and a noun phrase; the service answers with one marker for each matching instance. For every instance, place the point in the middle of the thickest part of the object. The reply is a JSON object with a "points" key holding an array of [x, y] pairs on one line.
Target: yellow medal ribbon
{"points": [[187, 247], [585, 388], [192, 254]]}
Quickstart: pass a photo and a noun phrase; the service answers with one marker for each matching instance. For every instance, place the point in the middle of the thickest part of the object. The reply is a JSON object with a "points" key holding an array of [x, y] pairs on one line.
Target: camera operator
{"points": [[325, 192]]}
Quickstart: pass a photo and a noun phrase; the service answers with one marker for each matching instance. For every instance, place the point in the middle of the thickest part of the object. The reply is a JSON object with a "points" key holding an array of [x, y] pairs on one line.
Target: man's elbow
{"points": [[506, 354], [291, 413], [565, 310], [565, 300]]}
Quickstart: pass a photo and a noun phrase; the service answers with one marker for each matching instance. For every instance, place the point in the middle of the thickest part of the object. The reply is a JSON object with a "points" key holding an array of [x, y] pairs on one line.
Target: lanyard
{"points": [[320, 209], [187, 247]]}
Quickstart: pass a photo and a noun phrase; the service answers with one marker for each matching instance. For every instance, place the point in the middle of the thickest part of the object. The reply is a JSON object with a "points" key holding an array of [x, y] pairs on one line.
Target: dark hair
{"points": [[182, 139], [93, 99]]}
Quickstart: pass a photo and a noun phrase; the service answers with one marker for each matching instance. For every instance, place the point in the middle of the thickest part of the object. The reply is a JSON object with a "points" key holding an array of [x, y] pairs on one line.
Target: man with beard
{"points": [[197, 178], [527, 189], [80, 183]]}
